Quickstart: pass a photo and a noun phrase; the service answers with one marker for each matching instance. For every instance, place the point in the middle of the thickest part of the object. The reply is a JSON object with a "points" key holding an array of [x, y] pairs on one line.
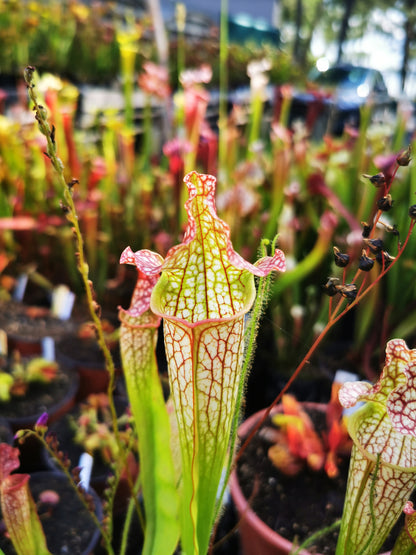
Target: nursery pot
{"points": [[26, 327], [101, 471], [85, 357], [67, 524], [23, 413], [55, 399], [256, 536]]}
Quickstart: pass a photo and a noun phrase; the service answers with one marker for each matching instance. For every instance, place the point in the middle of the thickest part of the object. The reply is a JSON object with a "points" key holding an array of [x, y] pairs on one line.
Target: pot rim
{"points": [[243, 508]]}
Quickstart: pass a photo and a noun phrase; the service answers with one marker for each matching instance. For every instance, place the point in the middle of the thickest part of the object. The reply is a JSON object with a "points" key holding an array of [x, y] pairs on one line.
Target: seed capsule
{"points": [[378, 180], [375, 245], [383, 257], [366, 229], [349, 290], [330, 286], [404, 157], [412, 212], [390, 228], [341, 259], [385, 203], [365, 263]]}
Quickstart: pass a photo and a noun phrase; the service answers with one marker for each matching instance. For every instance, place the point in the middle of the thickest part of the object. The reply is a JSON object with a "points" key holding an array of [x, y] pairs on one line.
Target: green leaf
{"points": [[137, 341]]}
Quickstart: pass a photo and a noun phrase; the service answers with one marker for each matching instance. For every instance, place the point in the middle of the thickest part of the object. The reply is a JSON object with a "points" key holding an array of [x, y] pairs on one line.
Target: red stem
{"points": [[332, 320]]}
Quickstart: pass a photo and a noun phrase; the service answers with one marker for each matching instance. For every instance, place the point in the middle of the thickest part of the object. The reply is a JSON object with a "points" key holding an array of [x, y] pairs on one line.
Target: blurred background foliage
{"points": [[274, 176]]}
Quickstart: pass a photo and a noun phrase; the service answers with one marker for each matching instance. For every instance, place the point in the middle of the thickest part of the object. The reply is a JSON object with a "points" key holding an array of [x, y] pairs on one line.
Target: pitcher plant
{"points": [[204, 291], [382, 471]]}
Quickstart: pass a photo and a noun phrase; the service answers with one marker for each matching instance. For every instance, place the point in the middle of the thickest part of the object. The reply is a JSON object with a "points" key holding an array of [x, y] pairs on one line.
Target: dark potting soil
{"points": [[78, 351], [40, 397], [68, 526], [295, 507], [6, 434], [32, 323], [64, 430]]}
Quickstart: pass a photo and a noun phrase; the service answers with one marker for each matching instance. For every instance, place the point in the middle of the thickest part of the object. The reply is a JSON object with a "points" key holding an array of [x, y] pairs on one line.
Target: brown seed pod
{"points": [[378, 180], [341, 259]]}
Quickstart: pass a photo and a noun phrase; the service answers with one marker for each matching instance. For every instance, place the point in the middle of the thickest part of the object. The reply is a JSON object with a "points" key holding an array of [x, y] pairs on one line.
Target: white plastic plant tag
{"points": [[3, 343], [85, 463], [48, 348], [62, 302], [19, 290]]}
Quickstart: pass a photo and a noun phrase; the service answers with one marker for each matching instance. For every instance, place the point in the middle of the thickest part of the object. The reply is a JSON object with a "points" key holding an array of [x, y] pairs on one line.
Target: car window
{"points": [[342, 77], [379, 84]]}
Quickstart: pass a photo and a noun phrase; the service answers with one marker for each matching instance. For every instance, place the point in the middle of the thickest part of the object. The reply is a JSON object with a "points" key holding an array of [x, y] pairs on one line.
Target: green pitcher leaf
{"points": [[383, 462], [410, 523], [138, 337], [406, 541], [204, 291]]}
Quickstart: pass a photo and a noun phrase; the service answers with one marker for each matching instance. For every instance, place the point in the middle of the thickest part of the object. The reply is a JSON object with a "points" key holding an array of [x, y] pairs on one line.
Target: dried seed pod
{"points": [[390, 228], [375, 245], [341, 259], [349, 290], [404, 157], [330, 286], [366, 229], [383, 257], [365, 263], [378, 180], [385, 203]]}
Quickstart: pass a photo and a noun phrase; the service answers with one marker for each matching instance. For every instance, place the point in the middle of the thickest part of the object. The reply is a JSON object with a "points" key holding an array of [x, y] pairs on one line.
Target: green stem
{"points": [[223, 85], [45, 129], [79, 492], [129, 515]]}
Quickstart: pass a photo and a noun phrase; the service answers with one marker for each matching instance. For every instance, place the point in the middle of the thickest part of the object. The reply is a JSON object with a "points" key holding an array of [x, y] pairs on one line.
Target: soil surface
{"points": [[295, 507], [40, 398], [81, 352], [65, 428], [68, 526], [31, 323]]}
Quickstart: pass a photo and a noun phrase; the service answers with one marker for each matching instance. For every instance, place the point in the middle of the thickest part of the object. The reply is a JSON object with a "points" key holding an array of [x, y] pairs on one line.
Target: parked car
{"points": [[334, 98]]}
